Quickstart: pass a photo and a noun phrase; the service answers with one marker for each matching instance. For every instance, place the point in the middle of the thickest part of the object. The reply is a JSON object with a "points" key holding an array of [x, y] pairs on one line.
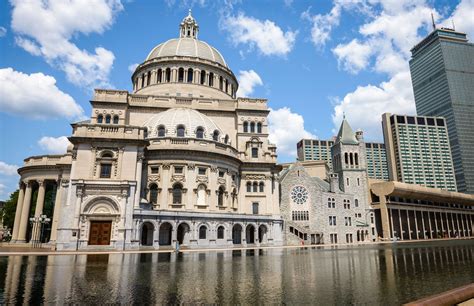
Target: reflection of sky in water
{"points": [[363, 275]]}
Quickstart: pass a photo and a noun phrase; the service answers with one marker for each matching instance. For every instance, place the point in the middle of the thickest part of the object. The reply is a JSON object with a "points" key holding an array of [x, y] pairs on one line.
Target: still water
{"points": [[375, 275]]}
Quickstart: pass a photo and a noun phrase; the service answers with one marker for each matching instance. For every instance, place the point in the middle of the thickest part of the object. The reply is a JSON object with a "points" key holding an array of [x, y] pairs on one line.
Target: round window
{"points": [[299, 195]]}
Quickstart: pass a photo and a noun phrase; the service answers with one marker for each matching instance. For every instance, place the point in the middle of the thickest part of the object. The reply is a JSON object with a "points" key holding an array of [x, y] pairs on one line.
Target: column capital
{"points": [[41, 182]]}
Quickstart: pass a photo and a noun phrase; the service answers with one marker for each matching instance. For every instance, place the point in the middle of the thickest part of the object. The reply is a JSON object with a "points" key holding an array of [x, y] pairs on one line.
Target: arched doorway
{"points": [[183, 234], [262, 233], [250, 234], [237, 234], [147, 234], [165, 233]]}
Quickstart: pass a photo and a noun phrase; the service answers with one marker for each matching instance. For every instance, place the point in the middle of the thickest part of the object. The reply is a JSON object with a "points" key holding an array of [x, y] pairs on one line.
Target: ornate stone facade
{"points": [[180, 159]]}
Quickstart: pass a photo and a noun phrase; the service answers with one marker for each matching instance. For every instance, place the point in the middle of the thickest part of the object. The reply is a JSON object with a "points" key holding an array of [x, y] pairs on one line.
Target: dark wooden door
{"points": [[100, 232]]}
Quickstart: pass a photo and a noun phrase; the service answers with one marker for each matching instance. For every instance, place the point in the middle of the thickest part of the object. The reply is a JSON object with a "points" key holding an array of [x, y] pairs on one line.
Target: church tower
{"points": [[349, 159]]}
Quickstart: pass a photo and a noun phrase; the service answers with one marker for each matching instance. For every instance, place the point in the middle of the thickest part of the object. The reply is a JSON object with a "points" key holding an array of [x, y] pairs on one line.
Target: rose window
{"points": [[299, 195]]}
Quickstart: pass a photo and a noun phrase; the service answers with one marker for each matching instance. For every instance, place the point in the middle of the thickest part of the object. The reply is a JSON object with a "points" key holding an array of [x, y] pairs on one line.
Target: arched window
{"points": [[249, 187], [161, 131], [220, 232], [143, 80], [356, 203], [226, 139], [203, 77], [202, 232], [153, 193], [177, 193], [100, 119], [148, 78], [255, 187], [200, 132], [116, 119], [252, 127], [201, 194], [159, 76], [246, 127], [180, 131], [105, 170], [259, 127], [190, 75], [181, 75], [168, 75], [351, 158], [220, 196], [215, 135], [261, 187], [346, 158], [356, 159], [221, 83], [211, 79], [226, 85], [107, 154], [107, 119]]}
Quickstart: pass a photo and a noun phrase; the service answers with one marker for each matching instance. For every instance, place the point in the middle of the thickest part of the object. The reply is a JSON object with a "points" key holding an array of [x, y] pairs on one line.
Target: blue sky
{"points": [[312, 60]]}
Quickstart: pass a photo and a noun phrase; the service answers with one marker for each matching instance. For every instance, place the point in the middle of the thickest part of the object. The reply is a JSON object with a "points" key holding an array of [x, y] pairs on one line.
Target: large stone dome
{"points": [[189, 118], [188, 47]]}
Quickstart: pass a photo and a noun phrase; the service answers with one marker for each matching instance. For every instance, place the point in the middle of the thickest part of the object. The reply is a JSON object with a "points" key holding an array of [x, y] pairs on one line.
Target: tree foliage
{"points": [[7, 213]]}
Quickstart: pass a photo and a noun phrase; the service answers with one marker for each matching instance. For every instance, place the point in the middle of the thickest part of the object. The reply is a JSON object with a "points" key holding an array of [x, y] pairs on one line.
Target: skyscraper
{"points": [[442, 73], [418, 151]]}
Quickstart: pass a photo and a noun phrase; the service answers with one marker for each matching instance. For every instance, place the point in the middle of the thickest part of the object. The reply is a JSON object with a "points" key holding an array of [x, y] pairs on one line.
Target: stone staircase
{"points": [[297, 234]]}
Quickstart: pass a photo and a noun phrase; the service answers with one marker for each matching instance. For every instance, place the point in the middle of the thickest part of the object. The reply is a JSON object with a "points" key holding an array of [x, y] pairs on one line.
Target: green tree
{"points": [[7, 213]]}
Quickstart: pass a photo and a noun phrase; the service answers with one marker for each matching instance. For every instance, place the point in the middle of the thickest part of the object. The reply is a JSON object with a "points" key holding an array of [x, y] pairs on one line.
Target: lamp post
{"points": [[37, 226]]}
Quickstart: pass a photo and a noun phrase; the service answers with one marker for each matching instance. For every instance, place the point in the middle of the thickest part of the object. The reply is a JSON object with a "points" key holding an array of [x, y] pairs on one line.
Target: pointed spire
{"points": [[346, 134], [432, 20], [188, 27]]}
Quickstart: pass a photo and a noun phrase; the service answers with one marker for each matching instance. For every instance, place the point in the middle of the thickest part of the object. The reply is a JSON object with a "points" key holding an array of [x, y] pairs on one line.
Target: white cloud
{"points": [[7, 169], [132, 67], [46, 28], [364, 107], [268, 37], [463, 18], [286, 129], [3, 31], [35, 96], [353, 56], [247, 81], [54, 145], [3, 190], [322, 24]]}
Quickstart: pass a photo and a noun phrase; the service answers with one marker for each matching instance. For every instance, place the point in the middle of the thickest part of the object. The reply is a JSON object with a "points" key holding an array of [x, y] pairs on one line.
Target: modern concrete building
{"points": [[418, 151], [320, 150], [180, 159], [442, 73], [411, 212], [334, 208]]}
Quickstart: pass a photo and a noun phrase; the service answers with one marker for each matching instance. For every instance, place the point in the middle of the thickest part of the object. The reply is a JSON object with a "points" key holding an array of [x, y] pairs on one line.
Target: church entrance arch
{"points": [[250, 234], [183, 233], [147, 234], [262, 233], [237, 234], [165, 234]]}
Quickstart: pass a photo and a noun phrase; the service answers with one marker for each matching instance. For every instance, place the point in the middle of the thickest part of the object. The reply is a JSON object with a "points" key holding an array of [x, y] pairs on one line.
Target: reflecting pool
{"points": [[377, 274]]}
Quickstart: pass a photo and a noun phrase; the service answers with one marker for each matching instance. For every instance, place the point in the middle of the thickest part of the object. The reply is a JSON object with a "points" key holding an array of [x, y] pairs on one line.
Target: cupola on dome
{"points": [[192, 123]]}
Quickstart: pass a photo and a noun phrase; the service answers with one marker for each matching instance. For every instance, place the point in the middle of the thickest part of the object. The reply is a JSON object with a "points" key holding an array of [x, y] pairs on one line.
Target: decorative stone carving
{"points": [[202, 179], [166, 166], [191, 166], [255, 176], [213, 169], [154, 178], [178, 178], [221, 181]]}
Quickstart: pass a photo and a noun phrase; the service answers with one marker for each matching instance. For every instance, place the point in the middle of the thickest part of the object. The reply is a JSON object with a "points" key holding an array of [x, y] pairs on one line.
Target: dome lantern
{"points": [[188, 27]]}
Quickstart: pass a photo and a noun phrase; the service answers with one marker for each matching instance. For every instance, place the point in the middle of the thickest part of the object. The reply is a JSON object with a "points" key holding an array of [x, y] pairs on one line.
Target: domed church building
{"points": [[180, 159]]}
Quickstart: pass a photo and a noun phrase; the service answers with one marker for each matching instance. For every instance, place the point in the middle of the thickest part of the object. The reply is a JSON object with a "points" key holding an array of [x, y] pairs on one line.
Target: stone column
{"points": [[429, 223], [408, 222], [138, 177], [423, 224], [19, 206], [391, 222], [25, 211], [38, 211], [400, 222], [57, 209], [416, 226]]}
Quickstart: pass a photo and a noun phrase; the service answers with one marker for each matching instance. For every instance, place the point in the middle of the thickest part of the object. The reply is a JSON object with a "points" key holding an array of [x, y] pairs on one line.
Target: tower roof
{"points": [[346, 135]]}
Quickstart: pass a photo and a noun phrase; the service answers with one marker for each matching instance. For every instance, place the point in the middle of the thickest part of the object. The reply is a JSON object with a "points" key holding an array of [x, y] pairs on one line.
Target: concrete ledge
{"points": [[451, 297]]}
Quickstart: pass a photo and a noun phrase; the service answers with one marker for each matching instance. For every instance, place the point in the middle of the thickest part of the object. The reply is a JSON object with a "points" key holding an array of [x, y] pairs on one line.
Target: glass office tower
{"points": [[442, 73]]}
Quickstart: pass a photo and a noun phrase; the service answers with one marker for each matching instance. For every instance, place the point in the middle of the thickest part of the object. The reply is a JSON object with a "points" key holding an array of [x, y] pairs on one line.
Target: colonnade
{"points": [[210, 79], [411, 224], [23, 208]]}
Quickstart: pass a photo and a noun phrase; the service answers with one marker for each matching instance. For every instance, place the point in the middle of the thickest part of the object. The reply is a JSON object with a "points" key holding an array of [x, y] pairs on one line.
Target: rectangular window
{"points": [[201, 171], [105, 170], [178, 170], [254, 152], [221, 173], [255, 208], [154, 169]]}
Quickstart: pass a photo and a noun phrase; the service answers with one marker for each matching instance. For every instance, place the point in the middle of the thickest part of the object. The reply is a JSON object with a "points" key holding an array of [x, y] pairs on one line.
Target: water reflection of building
{"points": [[179, 159], [411, 212]]}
